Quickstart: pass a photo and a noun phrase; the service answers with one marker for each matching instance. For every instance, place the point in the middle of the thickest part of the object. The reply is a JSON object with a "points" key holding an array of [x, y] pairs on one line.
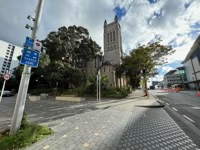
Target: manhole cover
{"points": [[195, 107]]}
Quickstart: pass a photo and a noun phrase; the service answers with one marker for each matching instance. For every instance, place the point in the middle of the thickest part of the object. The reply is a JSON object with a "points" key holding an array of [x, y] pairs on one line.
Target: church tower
{"points": [[112, 42]]}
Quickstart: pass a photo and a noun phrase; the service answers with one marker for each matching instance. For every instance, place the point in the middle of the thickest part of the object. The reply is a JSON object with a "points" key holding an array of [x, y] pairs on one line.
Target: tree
{"points": [[72, 43], [145, 57], [36, 73]]}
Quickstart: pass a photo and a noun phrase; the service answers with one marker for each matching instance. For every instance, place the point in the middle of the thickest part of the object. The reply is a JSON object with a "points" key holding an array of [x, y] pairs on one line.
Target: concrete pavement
{"points": [[126, 125]]}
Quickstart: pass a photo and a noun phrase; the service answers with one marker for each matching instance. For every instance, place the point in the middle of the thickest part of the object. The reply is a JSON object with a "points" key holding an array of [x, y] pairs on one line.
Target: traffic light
{"points": [[143, 71]]}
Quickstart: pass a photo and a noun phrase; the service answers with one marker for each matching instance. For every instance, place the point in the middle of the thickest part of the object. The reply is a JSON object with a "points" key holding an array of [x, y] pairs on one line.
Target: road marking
{"points": [[188, 118], [167, 103], [174, 109]]}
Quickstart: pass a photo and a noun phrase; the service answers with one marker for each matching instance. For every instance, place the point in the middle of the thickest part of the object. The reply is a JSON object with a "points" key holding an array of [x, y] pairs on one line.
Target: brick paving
{"points": [[121, 126]]}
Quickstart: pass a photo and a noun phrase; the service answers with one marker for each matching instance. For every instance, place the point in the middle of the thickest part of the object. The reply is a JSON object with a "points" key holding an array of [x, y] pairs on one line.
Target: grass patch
{"points": [[27, 135]]}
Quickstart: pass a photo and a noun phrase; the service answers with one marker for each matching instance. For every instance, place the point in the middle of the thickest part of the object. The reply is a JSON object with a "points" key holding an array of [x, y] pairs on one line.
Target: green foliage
{"points": [[115, 93], [72, 43], [145, 57], [27, 135], [39, 91]]}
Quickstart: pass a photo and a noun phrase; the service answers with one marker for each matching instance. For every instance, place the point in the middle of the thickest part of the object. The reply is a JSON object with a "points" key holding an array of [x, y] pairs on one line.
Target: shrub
{"points": [[39, 91], [27, 135], [114, 93]]}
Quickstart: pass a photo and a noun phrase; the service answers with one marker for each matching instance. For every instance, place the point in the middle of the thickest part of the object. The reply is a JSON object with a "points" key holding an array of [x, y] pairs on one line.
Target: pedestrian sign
{"points": [[30, 58]]}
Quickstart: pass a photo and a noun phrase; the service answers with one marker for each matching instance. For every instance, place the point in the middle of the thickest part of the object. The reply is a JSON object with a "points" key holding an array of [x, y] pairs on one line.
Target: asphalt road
{"points": [[184, 108]]}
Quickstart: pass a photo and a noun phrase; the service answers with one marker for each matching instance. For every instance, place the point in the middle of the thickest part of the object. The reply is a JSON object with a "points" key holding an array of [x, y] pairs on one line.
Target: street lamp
{"points": [[99, 58]]}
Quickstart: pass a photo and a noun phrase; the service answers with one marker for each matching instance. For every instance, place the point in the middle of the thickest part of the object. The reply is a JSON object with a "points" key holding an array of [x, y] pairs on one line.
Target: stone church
{"points": [[112, 56]]}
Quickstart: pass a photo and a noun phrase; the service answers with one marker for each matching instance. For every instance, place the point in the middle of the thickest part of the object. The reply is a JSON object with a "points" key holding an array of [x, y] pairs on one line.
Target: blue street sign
{"points": [[29, 42], [30, 58]]}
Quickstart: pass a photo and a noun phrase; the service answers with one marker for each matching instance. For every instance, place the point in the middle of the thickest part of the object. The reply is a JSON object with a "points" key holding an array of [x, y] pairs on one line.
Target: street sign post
{"points": [[23, 87], [5, 77], [30, 58]]}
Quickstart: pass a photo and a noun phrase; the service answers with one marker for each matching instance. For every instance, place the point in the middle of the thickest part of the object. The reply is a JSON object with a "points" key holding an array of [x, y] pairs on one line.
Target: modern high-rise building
{"points": [[8, 56]]}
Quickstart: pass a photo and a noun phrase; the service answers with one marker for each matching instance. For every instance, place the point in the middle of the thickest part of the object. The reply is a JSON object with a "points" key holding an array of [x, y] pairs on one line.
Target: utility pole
{"points": [[23, 88]]}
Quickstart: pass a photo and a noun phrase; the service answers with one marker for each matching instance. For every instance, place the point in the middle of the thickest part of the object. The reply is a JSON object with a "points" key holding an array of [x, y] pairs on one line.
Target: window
{"points": [[104, 69], [113, 35], [110, 36]]}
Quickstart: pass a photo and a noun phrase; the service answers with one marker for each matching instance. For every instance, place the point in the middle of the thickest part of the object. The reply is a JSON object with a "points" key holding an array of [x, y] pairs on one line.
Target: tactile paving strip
{"points": [[152, 129]]}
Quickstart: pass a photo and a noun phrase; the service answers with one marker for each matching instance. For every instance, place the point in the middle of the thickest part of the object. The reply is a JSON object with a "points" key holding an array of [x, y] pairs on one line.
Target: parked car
{"points": [[7, 93]]}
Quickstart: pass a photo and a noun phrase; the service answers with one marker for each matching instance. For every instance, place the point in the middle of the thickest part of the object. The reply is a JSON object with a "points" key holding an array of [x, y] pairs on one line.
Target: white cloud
{"points": [[165, 69], [172, 22], [142, 22], [157, 78]]}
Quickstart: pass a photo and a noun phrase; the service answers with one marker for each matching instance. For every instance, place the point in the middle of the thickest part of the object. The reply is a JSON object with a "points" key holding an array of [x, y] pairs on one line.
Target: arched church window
{"points": [[113, 35]]}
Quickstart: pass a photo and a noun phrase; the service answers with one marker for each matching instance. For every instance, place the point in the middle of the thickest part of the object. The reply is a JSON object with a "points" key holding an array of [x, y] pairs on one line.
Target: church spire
{"points": [[116, 18], [105, 23]]}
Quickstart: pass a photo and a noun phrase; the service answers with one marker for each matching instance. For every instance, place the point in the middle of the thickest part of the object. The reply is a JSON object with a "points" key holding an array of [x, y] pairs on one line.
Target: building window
{"points": [[113, 35], [110, 36], [114, 46], [104, 69]]}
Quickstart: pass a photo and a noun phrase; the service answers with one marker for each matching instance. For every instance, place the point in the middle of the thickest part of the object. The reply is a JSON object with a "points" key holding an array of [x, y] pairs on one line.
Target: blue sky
{"points": [[176, 22], [173, 21]]}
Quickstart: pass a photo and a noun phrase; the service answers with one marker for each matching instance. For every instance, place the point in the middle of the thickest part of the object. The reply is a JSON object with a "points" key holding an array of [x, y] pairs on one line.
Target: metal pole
{"points": [[23, 88], [4, 83], [99, 86]]}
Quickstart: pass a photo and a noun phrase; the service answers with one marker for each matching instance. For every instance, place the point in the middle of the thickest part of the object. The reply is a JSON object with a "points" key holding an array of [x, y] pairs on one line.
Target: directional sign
{"points": [[6, 76], [29, 42], [30, 58]]}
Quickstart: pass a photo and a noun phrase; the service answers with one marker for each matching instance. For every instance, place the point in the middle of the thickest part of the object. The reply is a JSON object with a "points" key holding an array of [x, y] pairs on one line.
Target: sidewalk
{"points": [[122, 125]]}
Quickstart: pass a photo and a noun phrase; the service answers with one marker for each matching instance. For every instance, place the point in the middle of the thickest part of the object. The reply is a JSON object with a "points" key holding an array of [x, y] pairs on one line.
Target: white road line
{"points": [[188, 118], [167, 103], [174, 109]]}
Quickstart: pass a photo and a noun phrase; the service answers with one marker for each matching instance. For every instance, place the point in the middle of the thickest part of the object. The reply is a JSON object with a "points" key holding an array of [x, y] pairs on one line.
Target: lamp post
{"points": [[98, 56]]}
